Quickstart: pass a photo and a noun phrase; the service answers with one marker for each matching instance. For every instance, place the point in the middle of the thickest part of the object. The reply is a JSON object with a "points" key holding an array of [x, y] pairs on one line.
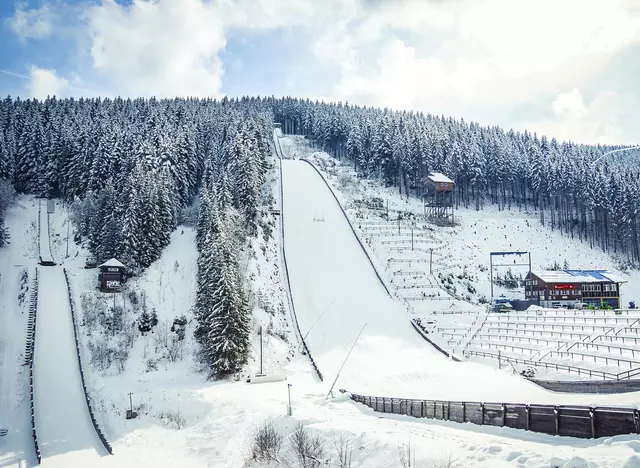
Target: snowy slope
{"points": [[17, 268], [329, 270], [62, 417]]}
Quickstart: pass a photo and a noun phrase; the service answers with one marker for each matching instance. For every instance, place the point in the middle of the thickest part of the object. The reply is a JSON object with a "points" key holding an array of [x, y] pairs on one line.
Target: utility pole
{"points": [[260, 333], [67, 237], [411, 236], [344, 362], [431, 260]]}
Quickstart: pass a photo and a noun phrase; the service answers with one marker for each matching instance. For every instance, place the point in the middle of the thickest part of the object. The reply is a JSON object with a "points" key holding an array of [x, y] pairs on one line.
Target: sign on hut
{"points": [[110, 276]]}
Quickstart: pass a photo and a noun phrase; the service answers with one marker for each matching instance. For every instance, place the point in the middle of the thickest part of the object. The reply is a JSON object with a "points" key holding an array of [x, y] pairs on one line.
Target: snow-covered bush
{"points": [[309, 449], [267, 442]]}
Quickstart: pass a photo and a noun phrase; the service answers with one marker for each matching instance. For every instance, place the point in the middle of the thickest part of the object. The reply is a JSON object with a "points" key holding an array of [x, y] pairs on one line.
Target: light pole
{"points": [[344, 362], [260, 333], [289, 411]]}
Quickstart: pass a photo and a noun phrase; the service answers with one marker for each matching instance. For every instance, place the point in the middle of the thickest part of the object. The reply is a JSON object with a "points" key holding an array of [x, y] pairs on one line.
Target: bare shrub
{"points": [[343, 446], [101, 354], [161, 337], [151, 365], [407, 455], [129, 334], [446, 461], [120, 356], [172, 419], [174, 349], [309, 449], [267, 442]]}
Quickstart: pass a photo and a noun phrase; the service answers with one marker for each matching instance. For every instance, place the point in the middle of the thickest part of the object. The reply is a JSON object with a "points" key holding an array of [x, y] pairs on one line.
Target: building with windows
{"points": [[570, 288], [111, 276]]}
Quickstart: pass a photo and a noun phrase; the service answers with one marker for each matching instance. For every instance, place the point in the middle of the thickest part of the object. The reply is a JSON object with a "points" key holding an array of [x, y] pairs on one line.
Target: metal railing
{"points": [[33, 306]]}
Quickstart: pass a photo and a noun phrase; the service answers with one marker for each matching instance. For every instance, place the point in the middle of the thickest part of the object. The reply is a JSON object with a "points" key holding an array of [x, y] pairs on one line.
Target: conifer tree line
{"points": [[129, 166], [595, 202]]}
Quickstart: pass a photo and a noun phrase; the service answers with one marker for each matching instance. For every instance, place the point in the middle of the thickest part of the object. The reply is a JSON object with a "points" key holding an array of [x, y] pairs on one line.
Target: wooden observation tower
{"points": [[438, 199]]}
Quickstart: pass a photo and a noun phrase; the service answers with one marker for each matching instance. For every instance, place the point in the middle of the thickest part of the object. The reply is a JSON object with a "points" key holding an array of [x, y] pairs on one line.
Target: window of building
{"points": [[535, 282]]}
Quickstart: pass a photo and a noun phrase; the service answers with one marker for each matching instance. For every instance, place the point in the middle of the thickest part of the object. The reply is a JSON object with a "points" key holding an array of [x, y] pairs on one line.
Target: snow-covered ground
{"points": [[186, 420], [17, 270], [63, 423], [441, 274]]}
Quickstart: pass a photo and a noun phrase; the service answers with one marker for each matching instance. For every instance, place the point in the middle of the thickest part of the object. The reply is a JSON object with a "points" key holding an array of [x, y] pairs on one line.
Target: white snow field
{"points": [[44, 248], [65, 432], [328, 269], [219, 418], [17, 268]]}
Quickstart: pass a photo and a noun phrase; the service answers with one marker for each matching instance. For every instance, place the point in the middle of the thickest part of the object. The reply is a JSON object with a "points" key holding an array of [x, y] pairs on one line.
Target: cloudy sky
{"points": [[566, 68]]}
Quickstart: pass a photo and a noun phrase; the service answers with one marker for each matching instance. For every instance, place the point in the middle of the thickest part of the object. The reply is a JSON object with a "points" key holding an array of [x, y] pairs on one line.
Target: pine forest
{"points": [[133, 170]]}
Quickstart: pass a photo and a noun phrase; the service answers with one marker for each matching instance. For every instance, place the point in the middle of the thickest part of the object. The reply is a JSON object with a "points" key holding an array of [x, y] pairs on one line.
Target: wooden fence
{"points": [[573, 421]]}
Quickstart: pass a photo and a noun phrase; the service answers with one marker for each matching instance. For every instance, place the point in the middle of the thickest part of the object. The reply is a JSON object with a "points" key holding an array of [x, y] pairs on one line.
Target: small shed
{"points": [[111, 275]]}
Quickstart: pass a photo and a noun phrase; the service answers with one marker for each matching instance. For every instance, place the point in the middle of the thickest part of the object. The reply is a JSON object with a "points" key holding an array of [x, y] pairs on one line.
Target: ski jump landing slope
{"points": [[329, 271], [65, 432]]}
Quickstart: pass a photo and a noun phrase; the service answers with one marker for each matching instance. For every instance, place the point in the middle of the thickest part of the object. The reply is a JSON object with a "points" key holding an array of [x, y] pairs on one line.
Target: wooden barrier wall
{"points": [[572, 421]]}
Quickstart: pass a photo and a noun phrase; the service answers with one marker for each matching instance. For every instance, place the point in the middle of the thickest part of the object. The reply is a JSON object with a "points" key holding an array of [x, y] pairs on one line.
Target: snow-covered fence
{"points": [[33, 313], [101, 436], [554, 366], [285, 266], [572, 421]]}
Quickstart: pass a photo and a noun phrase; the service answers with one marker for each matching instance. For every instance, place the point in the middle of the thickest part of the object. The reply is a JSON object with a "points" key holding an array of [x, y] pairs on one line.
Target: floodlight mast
{"points": [[519, 253]]}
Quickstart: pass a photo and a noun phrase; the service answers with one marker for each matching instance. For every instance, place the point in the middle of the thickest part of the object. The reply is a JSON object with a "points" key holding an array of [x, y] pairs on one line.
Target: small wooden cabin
{"points": [[111, 276], [437, 183]]}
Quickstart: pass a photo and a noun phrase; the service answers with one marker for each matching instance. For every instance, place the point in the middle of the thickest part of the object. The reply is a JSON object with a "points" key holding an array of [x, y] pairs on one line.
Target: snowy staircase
{"points": [[31, 325]]}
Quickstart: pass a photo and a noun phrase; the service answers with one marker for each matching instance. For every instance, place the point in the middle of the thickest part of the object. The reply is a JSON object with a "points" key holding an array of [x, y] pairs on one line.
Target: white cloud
{"points": [[34, 23], [164, 48], [44, 82], [483, 61], [471, 59], [570, 104], [609, 118]]}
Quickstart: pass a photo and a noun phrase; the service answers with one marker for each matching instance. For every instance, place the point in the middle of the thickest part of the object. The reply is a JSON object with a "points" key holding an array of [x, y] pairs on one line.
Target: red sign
{"points": [[564, 286]]}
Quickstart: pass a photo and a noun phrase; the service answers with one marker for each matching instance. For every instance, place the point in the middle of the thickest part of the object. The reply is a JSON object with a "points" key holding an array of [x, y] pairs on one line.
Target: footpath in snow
{"points": [[46, 258], [62, 419]]}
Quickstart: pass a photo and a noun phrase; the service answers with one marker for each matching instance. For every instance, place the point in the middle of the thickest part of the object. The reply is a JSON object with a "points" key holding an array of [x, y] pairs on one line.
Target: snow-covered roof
{"points": [[437, 177], [113, 263], [578, 276]]}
